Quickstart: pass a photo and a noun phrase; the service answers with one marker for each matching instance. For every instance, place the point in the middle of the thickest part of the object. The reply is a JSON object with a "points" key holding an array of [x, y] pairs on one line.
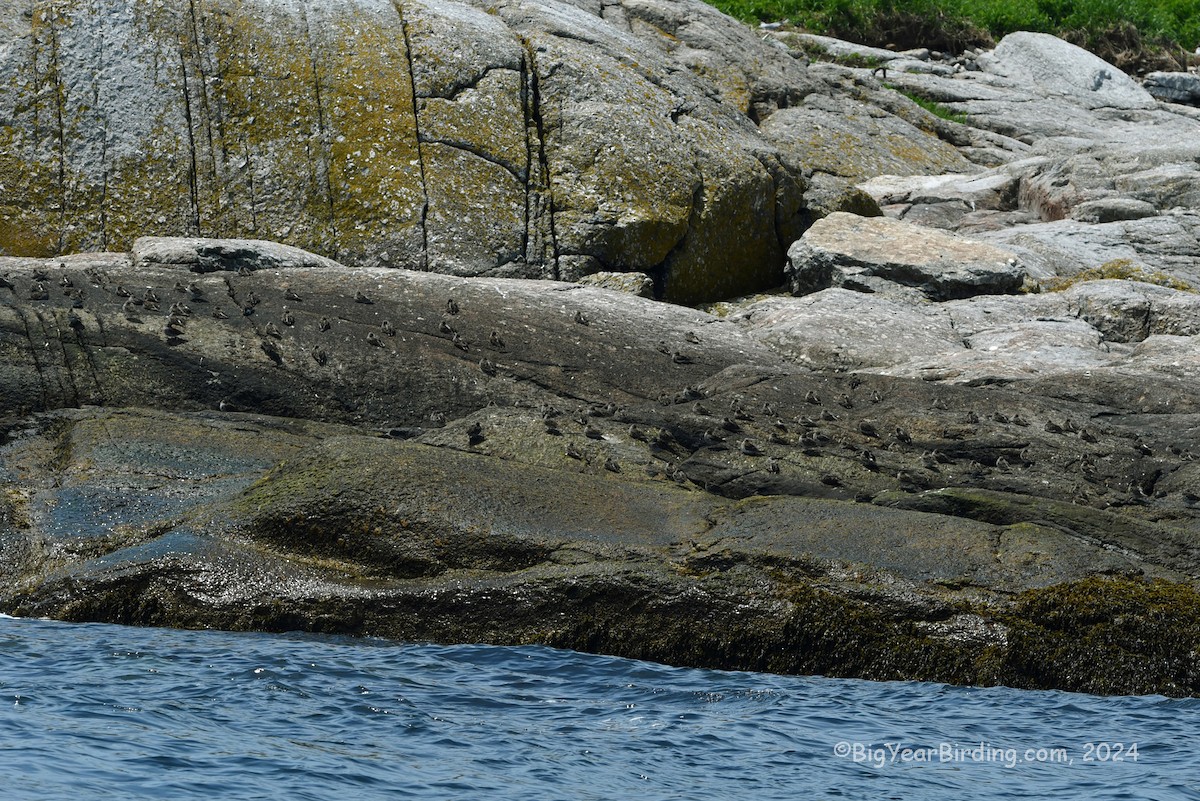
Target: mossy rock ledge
{"points": [[246, 437], [522, 139]]}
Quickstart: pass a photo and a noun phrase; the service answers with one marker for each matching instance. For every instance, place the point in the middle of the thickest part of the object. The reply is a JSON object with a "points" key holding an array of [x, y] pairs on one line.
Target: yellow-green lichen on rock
{"points": [[527, 139]]}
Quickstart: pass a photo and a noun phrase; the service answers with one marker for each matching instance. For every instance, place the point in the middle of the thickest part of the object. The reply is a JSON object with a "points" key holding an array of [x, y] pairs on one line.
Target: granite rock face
{"points": [[965, 452], [525, 139]]}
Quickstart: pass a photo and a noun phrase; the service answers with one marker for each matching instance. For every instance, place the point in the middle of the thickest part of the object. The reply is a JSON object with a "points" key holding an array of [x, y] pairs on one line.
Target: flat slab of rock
{"points": [[201, 255], [1174, 87], [844, 330], [879, 254]]}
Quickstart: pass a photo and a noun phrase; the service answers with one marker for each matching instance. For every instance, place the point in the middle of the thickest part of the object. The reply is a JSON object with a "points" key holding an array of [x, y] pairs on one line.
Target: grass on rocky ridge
{"points": [[1132, 34]]}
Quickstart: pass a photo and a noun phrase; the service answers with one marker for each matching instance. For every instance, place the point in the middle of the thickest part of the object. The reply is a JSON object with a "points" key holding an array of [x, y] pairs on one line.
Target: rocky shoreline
{"points": [[953, 438]]}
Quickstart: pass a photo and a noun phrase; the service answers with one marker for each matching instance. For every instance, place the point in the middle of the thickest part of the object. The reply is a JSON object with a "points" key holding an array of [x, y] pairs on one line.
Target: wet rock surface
{"points": [[958, 443], [413, 455]]}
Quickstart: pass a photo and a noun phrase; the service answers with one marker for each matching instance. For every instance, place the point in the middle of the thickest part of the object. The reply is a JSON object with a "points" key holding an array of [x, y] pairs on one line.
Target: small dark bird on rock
{"points": [[287, 318], [320, 356], [496, 341], [253, 299], [868, 460], [749, 448], [459, 342], [573, 452], [270, 330], [552, 428], [772, 465], [1052, 427], [65, 282], [845, 402], [291, 294], [730, 425], [150, 295], [638, 434], [701, 410], [829, 417], [451, 306], [581, 318], [6, 284], [387, 328], [691, 337], [219, 314], [680, 358], [361, 297], [831, 480], [475, 434], [374, 339], [488, 366], [437, 418], [122, 292], [903, 436], [447, 329], [867, 429], [610, 464], [591, 432], [323, 324]]}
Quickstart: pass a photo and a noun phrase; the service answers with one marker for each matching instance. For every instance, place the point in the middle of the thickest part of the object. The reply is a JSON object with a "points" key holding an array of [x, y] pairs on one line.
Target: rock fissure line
{"points": [[59, 101], [324, 143], [86, 350], [474, 150], [412, 82], [37, 363], [534, 114], [193, 175], [527, 123], [466, 85], [76, 396], [208, 119]]}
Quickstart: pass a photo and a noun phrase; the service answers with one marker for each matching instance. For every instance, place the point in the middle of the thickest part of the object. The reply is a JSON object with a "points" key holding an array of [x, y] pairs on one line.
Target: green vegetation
{"points": [[933, 107], [1129, 33], [1122, 269]]}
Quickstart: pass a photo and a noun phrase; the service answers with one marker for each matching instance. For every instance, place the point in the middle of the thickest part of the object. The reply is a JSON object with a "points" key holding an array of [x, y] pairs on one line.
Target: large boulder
{"points": [[529, 139], [874, 254], [1048, 65]]}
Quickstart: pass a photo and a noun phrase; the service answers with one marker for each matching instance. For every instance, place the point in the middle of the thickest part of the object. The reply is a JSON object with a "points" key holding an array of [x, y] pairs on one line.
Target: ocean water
{"points": [[97, 711]]}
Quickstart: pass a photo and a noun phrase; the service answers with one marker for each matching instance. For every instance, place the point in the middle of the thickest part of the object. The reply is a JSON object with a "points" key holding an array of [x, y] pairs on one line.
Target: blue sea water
{"points": [[97, 712]]}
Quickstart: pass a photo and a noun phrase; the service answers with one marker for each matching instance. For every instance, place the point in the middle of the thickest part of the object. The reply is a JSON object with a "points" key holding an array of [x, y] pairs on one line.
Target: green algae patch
{"points": [[1107, 636], [404, 510]]}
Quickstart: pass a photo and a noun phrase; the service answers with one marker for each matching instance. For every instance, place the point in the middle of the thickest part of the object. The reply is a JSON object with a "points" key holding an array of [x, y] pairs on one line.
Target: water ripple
{"points": [[92, 711]]}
